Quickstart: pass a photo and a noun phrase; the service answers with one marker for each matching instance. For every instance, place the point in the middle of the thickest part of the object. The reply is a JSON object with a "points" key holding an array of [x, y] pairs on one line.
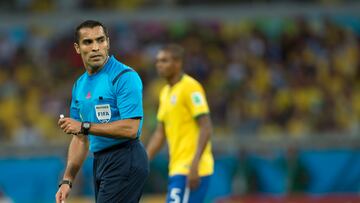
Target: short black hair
{"points": [[88, 24], [177, 51]]}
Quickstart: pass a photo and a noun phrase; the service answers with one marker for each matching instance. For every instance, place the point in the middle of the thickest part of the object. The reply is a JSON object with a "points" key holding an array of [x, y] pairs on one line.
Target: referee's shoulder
{"points": [[80, 78], [122, 72], [121, 68]]}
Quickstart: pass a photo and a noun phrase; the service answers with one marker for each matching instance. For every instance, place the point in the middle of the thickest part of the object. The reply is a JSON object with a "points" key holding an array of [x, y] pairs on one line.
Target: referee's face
{"points": [[93, 46], [165, 64]]}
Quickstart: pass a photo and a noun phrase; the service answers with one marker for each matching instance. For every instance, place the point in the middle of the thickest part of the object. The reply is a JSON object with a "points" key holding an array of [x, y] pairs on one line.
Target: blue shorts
{"points": [[178, 193]]}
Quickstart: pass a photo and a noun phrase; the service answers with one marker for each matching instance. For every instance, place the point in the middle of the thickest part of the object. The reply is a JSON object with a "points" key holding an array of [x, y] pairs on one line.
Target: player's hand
{"points": [[69, 125], [63, 193], [193, 178]]}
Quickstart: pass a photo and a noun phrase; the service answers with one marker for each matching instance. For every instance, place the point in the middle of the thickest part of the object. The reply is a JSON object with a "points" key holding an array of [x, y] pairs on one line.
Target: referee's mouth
{"points": [[98, 56]]}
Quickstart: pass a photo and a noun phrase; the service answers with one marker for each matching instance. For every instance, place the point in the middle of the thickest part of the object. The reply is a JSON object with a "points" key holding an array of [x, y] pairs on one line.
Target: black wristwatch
{"points": [[68, 182], [85, 127]]}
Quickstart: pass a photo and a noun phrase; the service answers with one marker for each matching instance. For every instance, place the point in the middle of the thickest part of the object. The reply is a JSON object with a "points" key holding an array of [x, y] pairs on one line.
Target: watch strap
{"points": [[68, 182], [85, 126]]}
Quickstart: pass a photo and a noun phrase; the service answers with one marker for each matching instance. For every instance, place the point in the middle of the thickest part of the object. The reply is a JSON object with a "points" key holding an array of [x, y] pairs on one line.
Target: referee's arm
{"points": [[78, 149], [156, 141], [77, 153], [126, 128]]}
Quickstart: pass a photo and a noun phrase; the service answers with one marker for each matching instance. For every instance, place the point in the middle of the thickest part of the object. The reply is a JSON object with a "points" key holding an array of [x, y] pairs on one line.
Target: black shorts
{"points": [[120, 173]]}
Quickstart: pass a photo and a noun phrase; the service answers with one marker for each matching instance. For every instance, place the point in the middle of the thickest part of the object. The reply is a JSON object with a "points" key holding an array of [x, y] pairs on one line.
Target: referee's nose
{"points": [[95, 46]]}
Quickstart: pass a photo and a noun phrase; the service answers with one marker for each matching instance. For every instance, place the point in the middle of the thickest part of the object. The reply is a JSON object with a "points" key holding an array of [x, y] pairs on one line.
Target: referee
{"points": [[106, 117]]}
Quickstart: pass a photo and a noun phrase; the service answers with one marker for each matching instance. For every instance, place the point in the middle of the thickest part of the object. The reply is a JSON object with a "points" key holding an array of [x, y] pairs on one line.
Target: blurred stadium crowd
{"points": [[296, 76], [35, 6], [290, 75]]}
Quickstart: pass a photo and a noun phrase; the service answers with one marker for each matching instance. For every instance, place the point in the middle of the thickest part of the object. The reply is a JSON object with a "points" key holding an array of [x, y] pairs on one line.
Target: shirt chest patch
{"points": [[173, 99], [103, 112]]}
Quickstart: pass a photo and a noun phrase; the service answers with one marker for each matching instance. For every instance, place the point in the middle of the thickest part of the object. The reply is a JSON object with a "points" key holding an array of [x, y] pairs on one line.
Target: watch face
{"points": [[86, 125]]}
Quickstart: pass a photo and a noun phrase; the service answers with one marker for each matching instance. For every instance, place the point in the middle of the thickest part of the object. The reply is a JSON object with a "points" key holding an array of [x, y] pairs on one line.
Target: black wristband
{"points": [[85, 127], [68, 182]]}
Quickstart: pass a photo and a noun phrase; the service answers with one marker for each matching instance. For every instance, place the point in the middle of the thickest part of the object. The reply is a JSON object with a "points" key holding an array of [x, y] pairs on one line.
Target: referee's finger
{"points": [[61, 121], [62, 198], [67, 129], [64, 125], [58, 197]]}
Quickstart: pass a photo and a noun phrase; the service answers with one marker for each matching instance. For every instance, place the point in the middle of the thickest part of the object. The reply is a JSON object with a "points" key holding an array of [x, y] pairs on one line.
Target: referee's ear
{"points": [[77, 48], [108, 42]]}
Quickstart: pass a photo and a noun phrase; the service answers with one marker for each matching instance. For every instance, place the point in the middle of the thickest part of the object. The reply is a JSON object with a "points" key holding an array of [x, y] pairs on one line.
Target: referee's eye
{"points": [[87, 41]]}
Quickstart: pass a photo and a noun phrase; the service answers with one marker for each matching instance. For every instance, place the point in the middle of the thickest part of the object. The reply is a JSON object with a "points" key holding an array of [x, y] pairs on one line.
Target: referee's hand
{"points": [[69, 125], [62, 193]]}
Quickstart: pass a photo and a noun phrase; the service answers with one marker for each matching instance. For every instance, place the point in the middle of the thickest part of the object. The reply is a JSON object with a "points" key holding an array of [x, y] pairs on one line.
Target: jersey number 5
{"points": [[175, 195]]}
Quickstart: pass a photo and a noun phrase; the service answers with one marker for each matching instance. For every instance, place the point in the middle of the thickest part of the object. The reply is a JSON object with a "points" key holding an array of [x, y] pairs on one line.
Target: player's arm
{"points": [[157, 141], [198, 106], [77, 153], [206, 128]]}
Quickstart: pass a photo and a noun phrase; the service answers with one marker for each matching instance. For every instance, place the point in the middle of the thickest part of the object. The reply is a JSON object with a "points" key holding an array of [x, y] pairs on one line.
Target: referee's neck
{"points": [[101, 67], [98, 69]]}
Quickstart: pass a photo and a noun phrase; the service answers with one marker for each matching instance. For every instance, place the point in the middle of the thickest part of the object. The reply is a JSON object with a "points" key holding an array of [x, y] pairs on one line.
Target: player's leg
{"points": [[198, 194], [176, 189], [178, 193]]}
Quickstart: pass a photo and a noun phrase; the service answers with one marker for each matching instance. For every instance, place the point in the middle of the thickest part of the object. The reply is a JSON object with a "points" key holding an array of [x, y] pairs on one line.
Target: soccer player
{"points": [[106, 117], [183, 119]]}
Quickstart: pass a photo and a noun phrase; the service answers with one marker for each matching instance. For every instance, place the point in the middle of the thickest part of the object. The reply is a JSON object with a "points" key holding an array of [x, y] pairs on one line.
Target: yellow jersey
{"points": [[179, 107]]}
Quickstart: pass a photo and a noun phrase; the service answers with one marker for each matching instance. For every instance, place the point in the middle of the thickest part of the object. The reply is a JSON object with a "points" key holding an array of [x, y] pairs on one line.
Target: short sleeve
{"points": [[129, 95], [196, 100], [74, 106]]}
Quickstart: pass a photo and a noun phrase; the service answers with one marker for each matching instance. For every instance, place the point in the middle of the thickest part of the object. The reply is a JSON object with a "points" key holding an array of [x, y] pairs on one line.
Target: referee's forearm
{"points": [[71, 171], [77, 153]]}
